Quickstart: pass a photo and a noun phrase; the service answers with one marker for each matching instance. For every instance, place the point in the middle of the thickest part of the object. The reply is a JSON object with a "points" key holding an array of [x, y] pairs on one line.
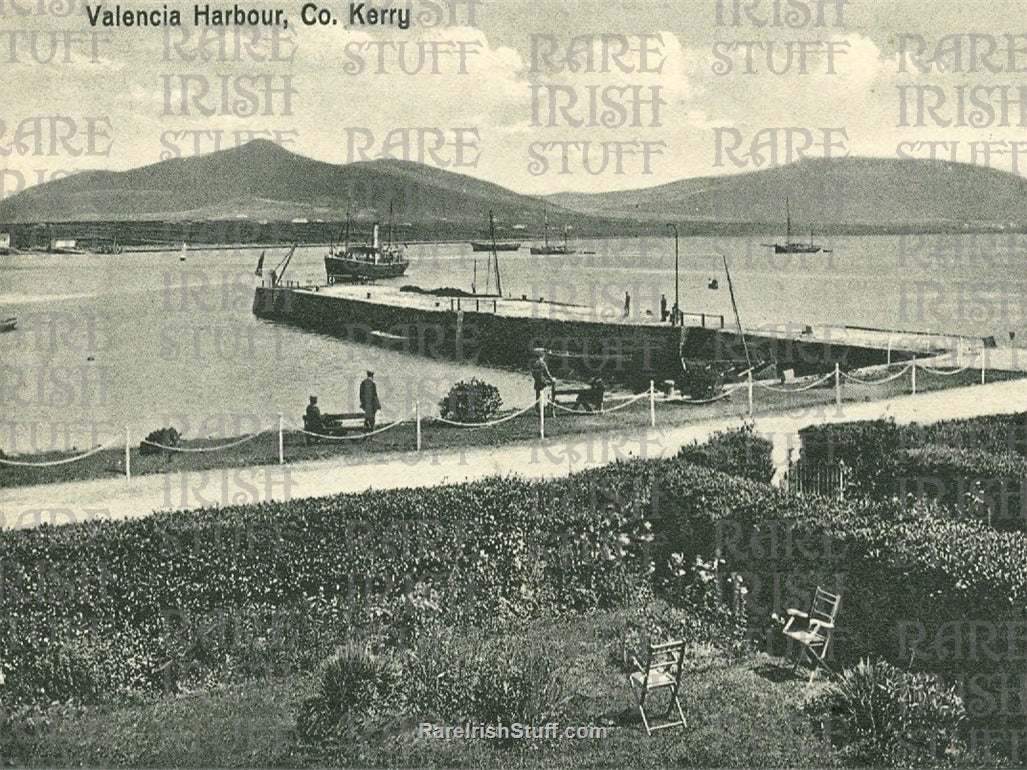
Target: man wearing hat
{"points": [[312, 419], [369, 403], [540, 374]]}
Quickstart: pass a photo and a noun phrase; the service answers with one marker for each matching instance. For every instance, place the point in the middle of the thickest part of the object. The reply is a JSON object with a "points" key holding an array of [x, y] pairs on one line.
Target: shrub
{"points": [[474, 401], [355, 685], [1000, 433], [57, 673], [971, 482], [700, 380], [20, 728], [737, 452], [713, 600], [470, 675], [168, 437], [881, 716]]}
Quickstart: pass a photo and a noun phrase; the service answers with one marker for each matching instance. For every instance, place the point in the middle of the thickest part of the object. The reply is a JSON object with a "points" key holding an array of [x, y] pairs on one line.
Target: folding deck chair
{"points": [[662, 671], [813, 629]]}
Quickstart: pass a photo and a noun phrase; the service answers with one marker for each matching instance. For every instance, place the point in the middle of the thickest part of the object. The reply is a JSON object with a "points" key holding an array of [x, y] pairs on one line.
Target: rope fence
{"points": [[54, 463], [546, 403], [882, 381], [203, 449], [802, 389], [359, 436], [500, 421]]}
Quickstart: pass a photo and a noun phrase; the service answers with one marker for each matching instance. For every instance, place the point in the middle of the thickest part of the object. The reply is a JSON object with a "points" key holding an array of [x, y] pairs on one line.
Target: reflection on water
{"points": [[144, 339]]}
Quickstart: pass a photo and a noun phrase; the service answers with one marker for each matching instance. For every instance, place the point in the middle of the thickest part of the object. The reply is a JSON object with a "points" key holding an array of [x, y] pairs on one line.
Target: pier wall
{"points": [[628, 354], [805, 357]]}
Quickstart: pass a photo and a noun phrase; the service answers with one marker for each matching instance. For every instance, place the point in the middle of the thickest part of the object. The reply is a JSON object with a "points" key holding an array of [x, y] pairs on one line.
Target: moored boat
{"points": [[8, 325], [377, 260], [547, 248], [499, 246], [65, 246], [790, 246]]}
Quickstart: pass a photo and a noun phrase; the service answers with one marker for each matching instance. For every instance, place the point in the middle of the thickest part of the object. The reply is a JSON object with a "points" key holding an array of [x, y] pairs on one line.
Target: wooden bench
{"points": [[590, 397], [335, 424]]}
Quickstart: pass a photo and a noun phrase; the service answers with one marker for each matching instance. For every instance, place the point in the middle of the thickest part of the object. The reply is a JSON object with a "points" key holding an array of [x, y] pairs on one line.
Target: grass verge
{"points": [[263, 450]]}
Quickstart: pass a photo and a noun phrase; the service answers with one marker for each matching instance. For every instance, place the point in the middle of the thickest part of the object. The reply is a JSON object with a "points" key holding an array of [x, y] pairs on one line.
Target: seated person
{"points": [[312, 417], [592, 399]]}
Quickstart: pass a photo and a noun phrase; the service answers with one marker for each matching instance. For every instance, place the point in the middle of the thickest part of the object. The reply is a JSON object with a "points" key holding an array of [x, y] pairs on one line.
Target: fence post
{"points": [[837, 385], [281, 442], [750, 392], [128, 457], [541, 415], [914, 375], [417, 416], [652, 403]]}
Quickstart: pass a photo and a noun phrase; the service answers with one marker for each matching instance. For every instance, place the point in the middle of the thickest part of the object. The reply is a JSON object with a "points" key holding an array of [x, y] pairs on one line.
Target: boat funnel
{"points": [[375, 236]]}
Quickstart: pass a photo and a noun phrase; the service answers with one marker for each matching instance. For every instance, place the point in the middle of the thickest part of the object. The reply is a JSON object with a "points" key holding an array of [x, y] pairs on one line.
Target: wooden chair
{"points": [[813, 629], [662, 671]]}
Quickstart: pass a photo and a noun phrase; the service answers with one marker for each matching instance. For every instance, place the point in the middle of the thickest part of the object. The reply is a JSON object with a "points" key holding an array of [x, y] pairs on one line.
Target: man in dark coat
{"points": [[369, 403], [312, 419], [540, 374]]}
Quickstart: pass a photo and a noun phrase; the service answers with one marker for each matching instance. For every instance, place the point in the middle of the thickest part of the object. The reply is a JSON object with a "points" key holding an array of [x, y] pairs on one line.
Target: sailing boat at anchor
{"points": [[548, 248], [790, 246]]}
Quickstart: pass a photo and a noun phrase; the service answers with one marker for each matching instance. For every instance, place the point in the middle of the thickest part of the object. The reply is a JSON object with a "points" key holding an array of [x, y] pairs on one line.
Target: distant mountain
{"points": [[827, 193], [265, 181], [262, 181]]}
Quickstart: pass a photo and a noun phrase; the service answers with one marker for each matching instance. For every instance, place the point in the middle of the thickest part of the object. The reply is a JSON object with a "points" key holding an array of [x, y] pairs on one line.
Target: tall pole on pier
{"points": [[734, 305], [495, 253], [677, 306]]}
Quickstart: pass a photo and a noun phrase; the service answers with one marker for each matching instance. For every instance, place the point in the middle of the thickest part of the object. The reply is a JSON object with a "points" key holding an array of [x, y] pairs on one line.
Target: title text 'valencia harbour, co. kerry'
{"points": [[206, 15]]}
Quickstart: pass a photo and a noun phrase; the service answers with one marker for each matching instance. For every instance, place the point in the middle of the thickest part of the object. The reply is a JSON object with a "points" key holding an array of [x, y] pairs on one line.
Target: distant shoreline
{"points": [[216, 235]]}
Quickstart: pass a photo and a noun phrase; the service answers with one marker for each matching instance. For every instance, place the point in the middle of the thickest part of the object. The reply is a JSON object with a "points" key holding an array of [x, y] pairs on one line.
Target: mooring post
{"points": [[417, 417], [128, 456], [750, 392], [837, 385], [652, 403], [281, 442], [913, 377], [541, 415]]}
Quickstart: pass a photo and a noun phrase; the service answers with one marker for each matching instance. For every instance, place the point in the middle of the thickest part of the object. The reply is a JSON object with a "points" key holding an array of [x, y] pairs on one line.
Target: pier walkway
{"points": [[595, 310], [118, 499]]}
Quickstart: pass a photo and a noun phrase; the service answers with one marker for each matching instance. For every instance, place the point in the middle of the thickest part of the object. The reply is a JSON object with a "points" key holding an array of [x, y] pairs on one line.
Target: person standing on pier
{"points": [[627, 304], [663, 308], [540, 374], [369, 403]]}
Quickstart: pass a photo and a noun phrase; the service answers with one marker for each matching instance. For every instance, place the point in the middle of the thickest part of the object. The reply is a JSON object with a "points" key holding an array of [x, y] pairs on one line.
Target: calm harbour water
{"points": [[144, 339]]}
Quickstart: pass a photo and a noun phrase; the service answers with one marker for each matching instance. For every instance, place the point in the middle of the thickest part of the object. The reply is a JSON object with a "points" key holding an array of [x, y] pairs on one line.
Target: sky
{"points": [[539, 96]]}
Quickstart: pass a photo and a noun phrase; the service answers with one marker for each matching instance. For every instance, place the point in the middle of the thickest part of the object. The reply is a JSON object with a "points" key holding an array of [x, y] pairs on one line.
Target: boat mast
{"points": [[738, 320], [347, 227], [545, 225], [390, 224], [788, 222], [495, 252]]}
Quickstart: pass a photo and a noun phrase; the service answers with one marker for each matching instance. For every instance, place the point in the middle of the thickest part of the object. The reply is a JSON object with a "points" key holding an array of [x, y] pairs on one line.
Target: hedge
{"points": [[183, 600]]}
